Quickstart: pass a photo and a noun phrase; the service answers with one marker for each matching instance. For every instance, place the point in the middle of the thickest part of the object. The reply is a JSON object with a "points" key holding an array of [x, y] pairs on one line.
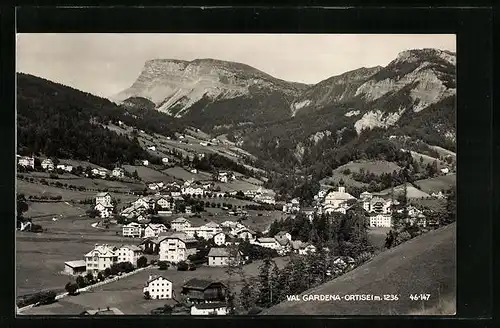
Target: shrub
{"points": [[163, 265], [80, 281], [107, 272], [147, 295], [182, 266], [100, 276], [142, 262], [71, 288]]}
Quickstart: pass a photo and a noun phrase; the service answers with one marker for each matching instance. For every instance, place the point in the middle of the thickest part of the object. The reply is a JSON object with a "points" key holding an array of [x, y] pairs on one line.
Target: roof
{"points": [[108, 311], [218, 251], [102, 194], [103, 249], [339, 195], [377, 199], [156, 226], [205, 306], [178, 235], [132, 247], [281, 233], [180, 220], [266, 240], [196, 283], [282, 240], [75, 264], [212, 224], [153, 278], [131, 224]]}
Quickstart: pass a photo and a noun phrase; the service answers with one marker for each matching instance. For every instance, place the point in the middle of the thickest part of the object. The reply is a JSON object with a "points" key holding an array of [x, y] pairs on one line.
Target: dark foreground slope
{"points": [[425, 264]]}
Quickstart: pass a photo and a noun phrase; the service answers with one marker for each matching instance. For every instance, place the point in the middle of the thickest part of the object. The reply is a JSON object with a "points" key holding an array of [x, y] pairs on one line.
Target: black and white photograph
{"points": [[238, 174]]}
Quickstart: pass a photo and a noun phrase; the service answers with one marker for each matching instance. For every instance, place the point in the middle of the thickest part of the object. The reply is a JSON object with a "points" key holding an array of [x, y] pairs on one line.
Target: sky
{"points": [[105, 64]]}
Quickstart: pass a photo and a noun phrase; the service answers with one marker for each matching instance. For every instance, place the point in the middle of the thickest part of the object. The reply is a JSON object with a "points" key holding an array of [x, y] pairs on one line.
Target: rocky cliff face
{"points": [[174, 86], [333, 90], [378, 96], [210, 93]]}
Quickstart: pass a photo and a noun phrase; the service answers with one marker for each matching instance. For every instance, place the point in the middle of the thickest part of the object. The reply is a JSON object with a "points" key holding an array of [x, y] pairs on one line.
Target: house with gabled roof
{"points": [[100, 258], [159, 287], [219, 256], [176, 247], [180, 224], [129, 253], [200, 291]]}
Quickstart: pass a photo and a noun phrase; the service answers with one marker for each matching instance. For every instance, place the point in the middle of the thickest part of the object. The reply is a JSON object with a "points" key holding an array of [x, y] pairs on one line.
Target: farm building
{"points": [[202, 291], [47, 164], [75, 267]]}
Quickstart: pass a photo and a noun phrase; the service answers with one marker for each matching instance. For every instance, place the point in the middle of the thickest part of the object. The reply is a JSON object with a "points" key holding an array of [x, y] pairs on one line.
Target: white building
{"points": [[381, 220], [103, 204], [104, 211], [266, 199], [132, 229], [164, 203], [209, 309], [336, 198], [65, 167], [220, 238], [176, 247], [145, 162], [100, 258], [306, 249], [271, 243], [180, 224], [102, 172], [245, 234], [153, 148], [75, 267], [155, 186], [445, 170], [220, 257], [292, 207], [26, 161], [47, 164], [118, 172], [159, 288], [129, 253], [154, 230], [378, 205], [193, 191], [206, 231], [103, 198], [164, 160]]}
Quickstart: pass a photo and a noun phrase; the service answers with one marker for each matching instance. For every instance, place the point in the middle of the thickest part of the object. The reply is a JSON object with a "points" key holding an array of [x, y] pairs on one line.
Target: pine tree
{"points": [[264, 296], [246, 296]]}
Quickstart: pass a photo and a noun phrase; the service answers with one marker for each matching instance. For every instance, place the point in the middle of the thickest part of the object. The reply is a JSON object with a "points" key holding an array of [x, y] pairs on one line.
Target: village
{"points": [[160, 232]]}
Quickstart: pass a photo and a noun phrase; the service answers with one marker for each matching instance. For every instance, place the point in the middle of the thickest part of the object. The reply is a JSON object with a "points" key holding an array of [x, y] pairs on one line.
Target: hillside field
{"points": [[424, 264], [443, 182]]}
